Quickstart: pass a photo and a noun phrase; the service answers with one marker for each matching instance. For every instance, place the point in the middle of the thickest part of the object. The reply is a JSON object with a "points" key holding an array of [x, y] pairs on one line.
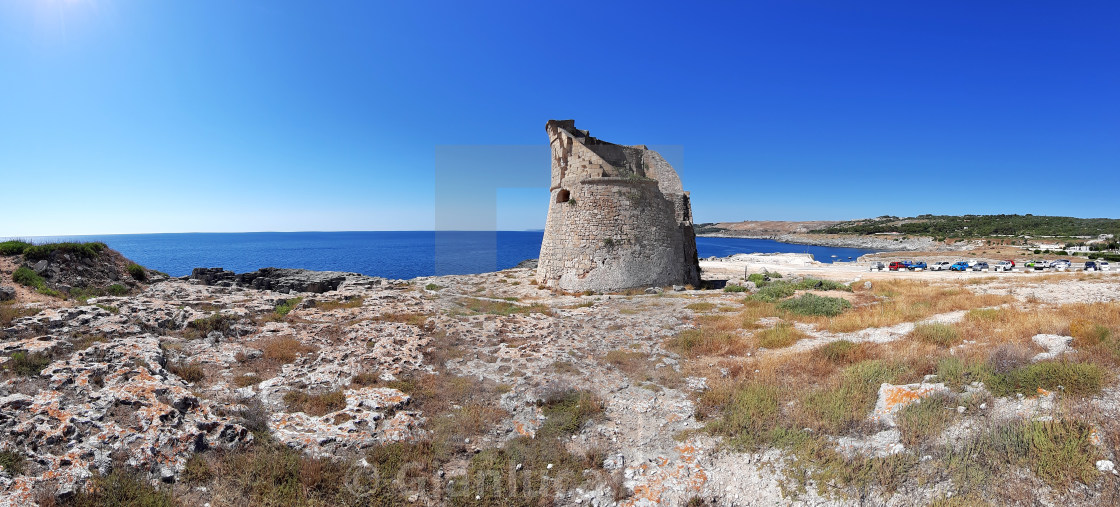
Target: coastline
{"points": [[908, 244]]}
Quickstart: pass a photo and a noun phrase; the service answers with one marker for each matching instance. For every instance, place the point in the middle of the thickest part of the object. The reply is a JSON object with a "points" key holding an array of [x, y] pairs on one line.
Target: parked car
{"points": [[1004, 266], [1037, 265], [896, 265], [940, 266], [1103, 265], [1060, 264], [959, 266], [1012, 261], [1090, 266], [916, 266], [980, 266], [878, 266]]}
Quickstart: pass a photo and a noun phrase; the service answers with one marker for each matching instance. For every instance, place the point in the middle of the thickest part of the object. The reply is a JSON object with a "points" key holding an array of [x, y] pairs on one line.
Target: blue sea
{"points": [[390, 254]]}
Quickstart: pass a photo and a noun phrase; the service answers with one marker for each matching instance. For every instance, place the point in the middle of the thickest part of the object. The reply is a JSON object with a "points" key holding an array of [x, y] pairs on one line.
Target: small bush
{"points": [[751, 413], [705, 342], [354, 302], [117, 290], [781, 335], [13, 247], [137, 272], [9, 312], [1088, 333], [27, 277], [943, 335], [315, 404], [27, 365], [287, 306], [843, 352], [1059, 452], [566, 412], [246, 380], [284, 349], [1080, 379], [818, 284], [925, 419], [220, 322], [121, 488], [12, 462], [501, 307], [190, 372], [701, 307], [774, 292], [196, 470], [80, 250], [812, 304], [433, 287], [365, 379], [734, 288]]}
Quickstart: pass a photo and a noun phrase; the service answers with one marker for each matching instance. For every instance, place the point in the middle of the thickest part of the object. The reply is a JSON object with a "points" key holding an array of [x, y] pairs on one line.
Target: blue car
{"points": [[920, 265], [959, 266]]}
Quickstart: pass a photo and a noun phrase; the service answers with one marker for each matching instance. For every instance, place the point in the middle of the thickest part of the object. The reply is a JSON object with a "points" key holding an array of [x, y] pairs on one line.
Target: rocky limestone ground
{"points": [[332, 366]]}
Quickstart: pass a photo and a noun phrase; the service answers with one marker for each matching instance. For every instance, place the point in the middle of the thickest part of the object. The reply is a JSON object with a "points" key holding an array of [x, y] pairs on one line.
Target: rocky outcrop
{"points": [[7, 293], [275, 279]]}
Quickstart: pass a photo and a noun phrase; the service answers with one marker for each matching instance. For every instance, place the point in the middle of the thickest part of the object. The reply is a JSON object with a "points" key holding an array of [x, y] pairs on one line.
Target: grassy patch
{"points": [[1079, 379], [116, 289], [285, 307], [734, 288], [924, 420], [13, 247], [27, 365], [480, 306], [701, 307], [935, 333], [844, 352], [748, 418], [9, 312], [819, 284], [353, 302], [121, 488], [774, 292], [566, 412], [412, 319], [781, 335], [814, 305], [706, 342], [89, 250], [433, 287], [315, 404], [841, 407]]}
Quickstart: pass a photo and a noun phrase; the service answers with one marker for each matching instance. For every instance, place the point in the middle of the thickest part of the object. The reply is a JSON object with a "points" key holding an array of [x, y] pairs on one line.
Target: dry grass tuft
{"points": [[782, 335], [315, 404], [284, 349], [707, 342]]}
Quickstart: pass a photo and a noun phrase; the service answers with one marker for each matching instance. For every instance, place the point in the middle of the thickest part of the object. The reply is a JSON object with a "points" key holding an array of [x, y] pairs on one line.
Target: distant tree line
{"points": [[978, 226]]}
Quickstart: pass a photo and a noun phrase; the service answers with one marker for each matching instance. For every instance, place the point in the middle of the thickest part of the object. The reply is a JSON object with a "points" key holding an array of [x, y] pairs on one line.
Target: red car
{"points": [[895, 266]]}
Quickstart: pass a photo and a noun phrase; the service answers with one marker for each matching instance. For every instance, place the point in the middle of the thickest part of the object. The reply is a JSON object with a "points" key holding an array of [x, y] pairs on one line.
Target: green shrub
{"points": [[137, 272], [28, 365], [812, 304], [81, 250], [432, 287], [117, 289], [841, 352], [774, 292], [25, 276], [1080, 379], [818, 284], [936, 333], [13, 247], [837, 409], [565, 412], [199, 328], [734, 288], [12, 462], [924, 420], [752, 412], [287, 306]]}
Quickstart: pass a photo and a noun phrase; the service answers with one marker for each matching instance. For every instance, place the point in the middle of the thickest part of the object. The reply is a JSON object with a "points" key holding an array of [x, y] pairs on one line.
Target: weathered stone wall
{"points": [[617, 217]]}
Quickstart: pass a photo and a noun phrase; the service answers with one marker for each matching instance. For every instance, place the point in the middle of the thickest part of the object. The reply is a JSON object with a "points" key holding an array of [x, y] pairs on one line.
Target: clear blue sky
{"points": [[157, 116]]}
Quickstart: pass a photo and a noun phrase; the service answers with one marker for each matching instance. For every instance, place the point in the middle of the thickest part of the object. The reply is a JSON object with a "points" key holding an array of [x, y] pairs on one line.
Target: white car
{"points": [[878, 266], [1003, 266], [940, 266], [1060, 265], [1102, 265]]}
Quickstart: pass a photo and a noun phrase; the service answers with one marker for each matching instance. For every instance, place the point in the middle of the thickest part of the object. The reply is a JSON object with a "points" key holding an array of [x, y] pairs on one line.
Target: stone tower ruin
{"points": [[617, 217]]}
